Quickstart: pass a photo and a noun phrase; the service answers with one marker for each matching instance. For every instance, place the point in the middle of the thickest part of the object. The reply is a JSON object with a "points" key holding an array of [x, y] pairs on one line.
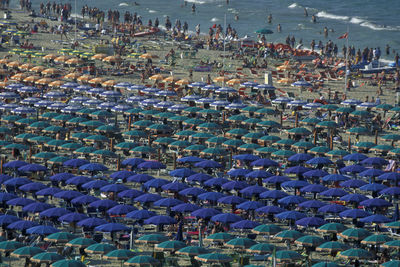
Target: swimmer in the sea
{"points": [[236, 17], [136, 3], [313, 19], [305, 12], [269, 18], [193, 8]]}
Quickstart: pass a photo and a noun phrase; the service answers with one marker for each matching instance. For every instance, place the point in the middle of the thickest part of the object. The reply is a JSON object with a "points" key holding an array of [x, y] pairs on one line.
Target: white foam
{"points": [[323, 14], [123, 4], [294, 5], [152, 11], [202, 2], [377, 27], [356, 20], [73, 15], [385, 62], [214, 19]]}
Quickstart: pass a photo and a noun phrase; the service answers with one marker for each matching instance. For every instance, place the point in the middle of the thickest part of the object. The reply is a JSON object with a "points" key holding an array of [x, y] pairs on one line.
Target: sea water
{"points": [[370, 23]]}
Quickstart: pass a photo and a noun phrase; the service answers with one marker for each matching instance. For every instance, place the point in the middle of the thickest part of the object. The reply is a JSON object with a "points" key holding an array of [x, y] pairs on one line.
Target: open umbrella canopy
{"points": [[26, 252], [355, 253], [119, 254]]}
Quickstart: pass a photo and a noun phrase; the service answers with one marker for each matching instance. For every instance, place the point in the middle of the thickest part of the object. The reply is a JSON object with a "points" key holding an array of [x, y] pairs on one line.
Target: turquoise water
{"points": [[370, 23]]}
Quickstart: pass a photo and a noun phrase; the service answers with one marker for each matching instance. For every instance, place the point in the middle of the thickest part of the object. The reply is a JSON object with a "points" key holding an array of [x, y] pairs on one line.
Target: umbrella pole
{"points": [[376, 137], [129, 122], [349, 144]]}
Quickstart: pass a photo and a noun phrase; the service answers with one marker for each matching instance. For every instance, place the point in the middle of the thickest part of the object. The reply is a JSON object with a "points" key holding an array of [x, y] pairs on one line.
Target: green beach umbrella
{"points": [[144, 149], [220, 237], [26, 252], [49, 115], [310, 121], [395, 152], [270, 139], [16, 146], [337, 153], [71, 146], [85, 150], [62, 117], [192, 251], [265, 111], [376, 239], [4, 143], [288, 235], [355, 253], [332, 228], [237, 132], [303, 145], [237, 118], [393, 225], [364, 145], [360, 113], [391, 137], [214, 151], [152, 239], [126, 145], [193, 121], [92, 123], [283, 153], [142, 260], [24, 136], [135, 133], [60, 237], [213, 258], [332, 246], [252, 136], [166, 115], [284, 142], [250, 109], [266, 150], [100, 248], [164, 141], [319, 150], [47, 257], [325, 264], [85, 111], [40, 139], [119, 254], [76, 120], [209, 111], [233, 143], [261, 248], [142, 123], [267, 229], [68, 263], [81, 242], [58, 160], [179, 144], [149, 112], [203, 136], [191, 110], [355, 233], [7, 246], [104, 153], [299, 131], [328, 107], [44, 155], [185, 133], [178, 118], [310, 241], [264, 31], [101, 114], [268, 123], [194, 148], [171, 245], [218, 140], [96, 138], [392, 244], [246, 147], [327, 124], [382, 148], [55, 143], [54, 129], [384, 107], [286, 255], [395, 109], [208, 126], [241, 243], [25, 121], [11, 118], [107, 129], [5, 130], [391, 263], [344, 110]]}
